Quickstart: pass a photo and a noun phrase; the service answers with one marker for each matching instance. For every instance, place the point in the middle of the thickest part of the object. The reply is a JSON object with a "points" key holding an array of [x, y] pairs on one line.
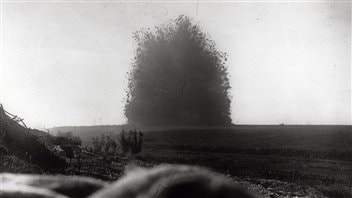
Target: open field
{"points": [[316, 156], [308, 142], [319, 156], [318, 141]]}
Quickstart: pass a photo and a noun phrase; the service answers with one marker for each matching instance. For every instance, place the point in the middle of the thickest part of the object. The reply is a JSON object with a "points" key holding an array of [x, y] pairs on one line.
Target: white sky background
{"points": [[66, 63]]}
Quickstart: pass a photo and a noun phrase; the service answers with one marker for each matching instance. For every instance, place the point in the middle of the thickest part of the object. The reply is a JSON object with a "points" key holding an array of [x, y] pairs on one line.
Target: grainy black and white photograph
{"points": [[166, 99]]}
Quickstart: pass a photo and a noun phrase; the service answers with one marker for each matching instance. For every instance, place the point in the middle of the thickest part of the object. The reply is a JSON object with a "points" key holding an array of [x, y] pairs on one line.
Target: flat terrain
{"points": [[318, 156], [315, 156]]}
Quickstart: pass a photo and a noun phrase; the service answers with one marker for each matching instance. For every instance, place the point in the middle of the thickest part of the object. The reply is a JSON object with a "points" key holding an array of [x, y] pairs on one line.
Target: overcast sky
{"points": [[65, 63]]}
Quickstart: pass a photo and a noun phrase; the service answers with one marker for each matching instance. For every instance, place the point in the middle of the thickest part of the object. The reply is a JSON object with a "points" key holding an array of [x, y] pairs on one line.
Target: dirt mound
{"points": [[22, 143], [163, 181]]}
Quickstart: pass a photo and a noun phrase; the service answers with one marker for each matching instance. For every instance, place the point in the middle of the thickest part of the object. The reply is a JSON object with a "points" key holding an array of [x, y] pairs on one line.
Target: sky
{"points": [[65, 63]]}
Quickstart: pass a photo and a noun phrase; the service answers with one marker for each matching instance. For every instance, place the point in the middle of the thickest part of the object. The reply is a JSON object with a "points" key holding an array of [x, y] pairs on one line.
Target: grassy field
{"points": [[319, 141], [317, 156]]}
